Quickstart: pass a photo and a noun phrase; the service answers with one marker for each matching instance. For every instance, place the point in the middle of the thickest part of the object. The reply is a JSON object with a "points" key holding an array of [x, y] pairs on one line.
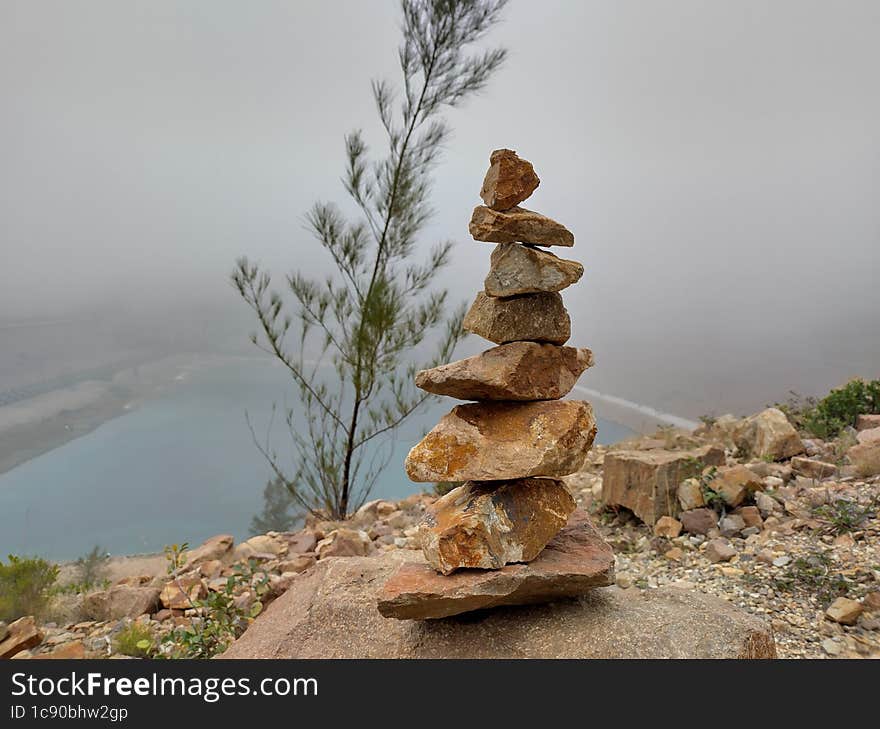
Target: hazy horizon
{"points": [[718, 164]]}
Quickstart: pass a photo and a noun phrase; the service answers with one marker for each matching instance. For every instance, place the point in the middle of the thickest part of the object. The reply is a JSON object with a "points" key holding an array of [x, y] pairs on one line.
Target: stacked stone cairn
{"points": [[510, 448]]}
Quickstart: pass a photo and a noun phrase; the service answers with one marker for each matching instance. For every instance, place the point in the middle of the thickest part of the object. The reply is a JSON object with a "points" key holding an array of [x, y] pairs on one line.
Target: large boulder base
{"points": [[646, 482], [509, 180], [528, 318], [490, 524], [768, 435], [330, 612], [518, 225], [575, 561], [494, 441], [515, 371], [517, 269]]}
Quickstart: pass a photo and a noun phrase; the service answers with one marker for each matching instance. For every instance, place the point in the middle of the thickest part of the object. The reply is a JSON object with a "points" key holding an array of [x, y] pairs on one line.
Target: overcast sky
{"points": [[718, 162]]}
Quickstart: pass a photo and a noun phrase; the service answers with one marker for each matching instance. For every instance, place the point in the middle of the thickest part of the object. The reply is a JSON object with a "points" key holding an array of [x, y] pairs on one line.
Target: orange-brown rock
{"points": [[22, 634], [490, 524], [495, 441], [528, 318], [517, 269], [509, 181], [515, 371], [646, 482], [575, 560], [518, 225]]}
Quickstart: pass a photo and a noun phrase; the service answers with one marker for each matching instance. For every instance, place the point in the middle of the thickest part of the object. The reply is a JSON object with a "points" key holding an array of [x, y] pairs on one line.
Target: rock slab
{"points": [[330, 612], [518, 225], [494, 441], [646, 482], [575, 560], [515, 371], [517, 269], [509, 180], [528, 318], [487, 525]]}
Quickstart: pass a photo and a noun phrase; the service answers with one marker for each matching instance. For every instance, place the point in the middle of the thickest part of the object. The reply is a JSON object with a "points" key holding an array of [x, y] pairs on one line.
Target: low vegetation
{"points": [[828, 417], [26, 587], [814, 574], [135, 640], [220, 617]]}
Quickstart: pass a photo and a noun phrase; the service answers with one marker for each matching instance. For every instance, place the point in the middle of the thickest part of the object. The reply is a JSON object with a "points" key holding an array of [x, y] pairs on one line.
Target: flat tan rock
{"points": [[490, 524], [517, 269], [518, 225], [515, 371], [509, 181], [528, 318], [494, 441], [575, 560]]}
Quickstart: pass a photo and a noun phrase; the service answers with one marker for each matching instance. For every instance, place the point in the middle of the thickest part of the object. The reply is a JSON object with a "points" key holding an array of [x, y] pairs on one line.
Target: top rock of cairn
{"points": [[511, 447], [509, 181]]}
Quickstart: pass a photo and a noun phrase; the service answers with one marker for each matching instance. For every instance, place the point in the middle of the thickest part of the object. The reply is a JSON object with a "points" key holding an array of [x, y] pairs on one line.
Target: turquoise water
{"points": [[180, 467]]}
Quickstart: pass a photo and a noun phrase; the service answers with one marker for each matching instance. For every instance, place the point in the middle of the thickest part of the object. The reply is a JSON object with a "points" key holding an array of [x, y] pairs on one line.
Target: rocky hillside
{"points": [[783, 527]]}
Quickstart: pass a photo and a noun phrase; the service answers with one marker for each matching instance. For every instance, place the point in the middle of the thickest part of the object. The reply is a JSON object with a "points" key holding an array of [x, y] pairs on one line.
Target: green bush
{"points": [[840, 408], [25, 586], [134, 640], [827, 417]]}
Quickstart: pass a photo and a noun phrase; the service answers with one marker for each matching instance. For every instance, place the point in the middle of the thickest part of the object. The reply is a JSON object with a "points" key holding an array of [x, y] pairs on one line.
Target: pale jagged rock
{"points": [[844, 611], [646, 482], [260, 546], [488, 525], [518, 225], [331, 613], [870, 435], [499, 441], [865, 457], [302, 542], [4, 630], [667, 527], [731, 525], [22, 634], [529, 318], [345, 543], [811, 468], [690, 494], [297, 563], [218, 547], [509, 180], [768, 434], [517, 269], [867, 422], [121, 601], [515, 371]]}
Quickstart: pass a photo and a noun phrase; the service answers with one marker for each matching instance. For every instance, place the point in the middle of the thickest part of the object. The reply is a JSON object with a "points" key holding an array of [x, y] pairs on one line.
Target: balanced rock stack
{"points": [[512, 519]]}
